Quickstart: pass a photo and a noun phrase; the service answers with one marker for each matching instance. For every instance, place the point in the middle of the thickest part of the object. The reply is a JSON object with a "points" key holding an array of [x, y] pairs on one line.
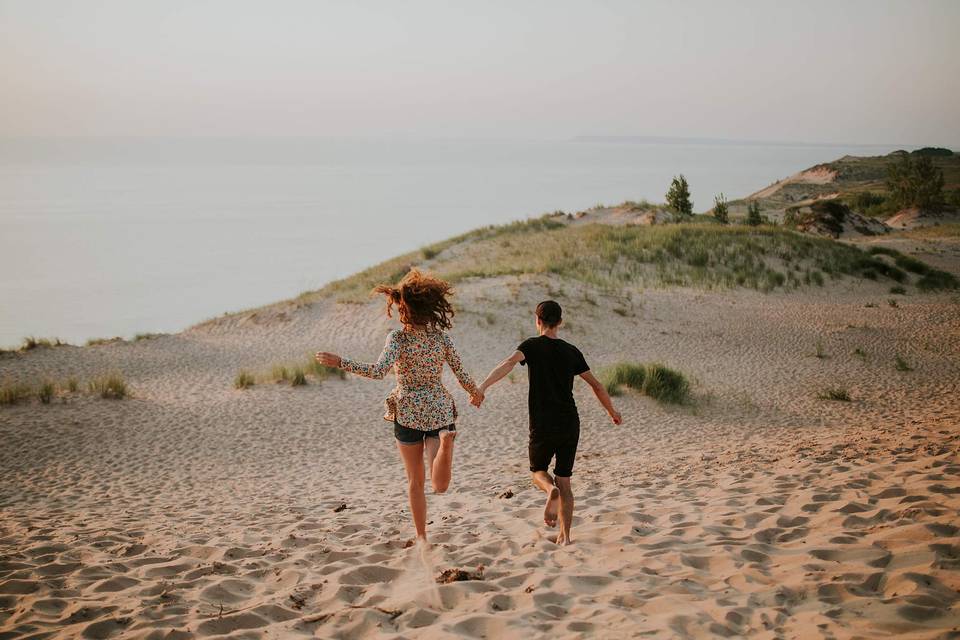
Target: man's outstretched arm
{"points": [[600, 391], [501, 370]]}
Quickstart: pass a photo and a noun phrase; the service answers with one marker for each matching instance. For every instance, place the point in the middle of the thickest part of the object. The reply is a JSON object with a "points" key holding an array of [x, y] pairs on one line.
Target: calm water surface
{"points": [[114, 237]]}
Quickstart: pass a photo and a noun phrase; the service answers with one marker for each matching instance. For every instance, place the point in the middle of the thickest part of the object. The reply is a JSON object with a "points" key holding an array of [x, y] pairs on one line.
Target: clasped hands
{"points": [[476, 399]]}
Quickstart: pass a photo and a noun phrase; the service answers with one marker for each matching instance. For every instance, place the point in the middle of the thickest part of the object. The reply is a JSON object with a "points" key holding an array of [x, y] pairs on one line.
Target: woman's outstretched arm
{"points": [[375, 370], [456, 365]]}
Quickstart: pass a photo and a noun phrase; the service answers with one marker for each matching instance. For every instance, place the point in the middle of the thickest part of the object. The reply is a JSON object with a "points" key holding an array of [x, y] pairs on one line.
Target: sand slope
{"points": [[197, 510]]}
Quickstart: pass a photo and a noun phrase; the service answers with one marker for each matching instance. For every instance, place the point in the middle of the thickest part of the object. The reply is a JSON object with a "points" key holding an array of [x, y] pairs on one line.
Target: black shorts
{"points": [[563, 445], [406, 435]]}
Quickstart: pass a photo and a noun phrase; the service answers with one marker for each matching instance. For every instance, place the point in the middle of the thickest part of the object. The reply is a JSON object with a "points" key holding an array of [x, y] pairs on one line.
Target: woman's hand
{"points": [[477, 399], [328, 359], [615, 417]]}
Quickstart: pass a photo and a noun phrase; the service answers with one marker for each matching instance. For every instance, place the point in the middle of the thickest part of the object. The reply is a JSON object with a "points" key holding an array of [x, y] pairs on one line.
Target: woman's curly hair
{"points": [[420, 299]]}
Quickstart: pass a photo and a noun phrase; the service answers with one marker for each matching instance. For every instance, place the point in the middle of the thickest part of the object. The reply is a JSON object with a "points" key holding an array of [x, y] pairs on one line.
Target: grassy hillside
{"points": [[610, 257], [857, 181]]}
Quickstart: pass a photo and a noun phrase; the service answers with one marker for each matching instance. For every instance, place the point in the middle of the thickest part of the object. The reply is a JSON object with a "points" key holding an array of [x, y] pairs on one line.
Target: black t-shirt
{"points": [[553, 363]]}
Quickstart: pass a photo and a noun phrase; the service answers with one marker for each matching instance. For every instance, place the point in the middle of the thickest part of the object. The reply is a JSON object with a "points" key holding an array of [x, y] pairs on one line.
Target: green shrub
{"points": [[244, 380], [46, 392], [753, 214], [898, 290], [834, 393], [109, 386]]}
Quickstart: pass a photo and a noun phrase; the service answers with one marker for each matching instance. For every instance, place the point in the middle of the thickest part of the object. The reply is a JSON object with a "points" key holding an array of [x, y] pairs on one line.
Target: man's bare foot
{"points": [[552, 508]]}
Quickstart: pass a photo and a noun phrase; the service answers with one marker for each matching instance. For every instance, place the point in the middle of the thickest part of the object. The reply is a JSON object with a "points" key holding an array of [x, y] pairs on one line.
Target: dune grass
{"points": [[947, 230], [244, 380], [296, 374], [838, 394], [930, 279], [46, 392], [110, 386], [901, 365], [30, 342], [106, 386], [651, 379], [690, 254], [14, 392], [93, 342]]}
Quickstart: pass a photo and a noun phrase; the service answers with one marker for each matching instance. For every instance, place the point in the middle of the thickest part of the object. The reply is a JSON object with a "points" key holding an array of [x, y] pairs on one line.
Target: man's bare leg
{"points": [[440, 460], [544, 482], [566, 510]]}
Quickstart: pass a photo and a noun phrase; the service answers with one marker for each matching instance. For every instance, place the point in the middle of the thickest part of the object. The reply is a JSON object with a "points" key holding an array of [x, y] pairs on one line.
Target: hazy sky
{"points": [[867, 71]]}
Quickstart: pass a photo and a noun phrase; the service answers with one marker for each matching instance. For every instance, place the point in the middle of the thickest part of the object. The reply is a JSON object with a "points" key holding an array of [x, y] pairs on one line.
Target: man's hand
{"points": [[615, 416], [328, 359], [477, 399]]}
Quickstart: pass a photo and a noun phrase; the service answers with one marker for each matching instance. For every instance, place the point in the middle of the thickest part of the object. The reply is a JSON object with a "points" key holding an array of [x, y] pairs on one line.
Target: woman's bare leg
{"points": [[545, 483], [440, 459], [412, 456]]}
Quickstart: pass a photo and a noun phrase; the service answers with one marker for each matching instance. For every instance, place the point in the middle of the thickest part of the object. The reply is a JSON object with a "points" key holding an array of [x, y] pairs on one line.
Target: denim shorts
{"points": [[405, 435]]}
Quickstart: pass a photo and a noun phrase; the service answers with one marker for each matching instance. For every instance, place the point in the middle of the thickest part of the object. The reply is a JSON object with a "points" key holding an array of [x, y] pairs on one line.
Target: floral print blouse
{"points": [[419, 401]]}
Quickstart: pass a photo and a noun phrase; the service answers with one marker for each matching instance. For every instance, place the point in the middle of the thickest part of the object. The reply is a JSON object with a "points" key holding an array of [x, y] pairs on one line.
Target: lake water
{"points": [[114, 237]]}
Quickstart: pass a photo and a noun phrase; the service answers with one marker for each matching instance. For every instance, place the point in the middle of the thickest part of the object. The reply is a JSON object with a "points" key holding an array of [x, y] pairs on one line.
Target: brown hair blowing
{"points": [[421, 299]]}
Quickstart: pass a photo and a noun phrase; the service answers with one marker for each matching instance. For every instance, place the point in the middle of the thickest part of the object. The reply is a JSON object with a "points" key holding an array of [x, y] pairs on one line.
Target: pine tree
{"points": [[720, 209], [915, 183], [753, 213], [678, 197]]}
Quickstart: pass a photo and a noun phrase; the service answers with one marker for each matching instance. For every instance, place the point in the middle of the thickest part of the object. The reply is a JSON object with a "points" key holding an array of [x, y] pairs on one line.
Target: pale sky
{"points": [[871, 71]]}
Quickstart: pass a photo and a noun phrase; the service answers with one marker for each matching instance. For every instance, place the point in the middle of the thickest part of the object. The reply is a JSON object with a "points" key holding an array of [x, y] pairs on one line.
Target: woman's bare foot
{"points": [[552, 508]]}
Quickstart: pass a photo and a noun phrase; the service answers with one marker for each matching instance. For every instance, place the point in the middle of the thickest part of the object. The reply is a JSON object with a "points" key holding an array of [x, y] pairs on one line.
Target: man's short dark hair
{"points": [[549, 313]]}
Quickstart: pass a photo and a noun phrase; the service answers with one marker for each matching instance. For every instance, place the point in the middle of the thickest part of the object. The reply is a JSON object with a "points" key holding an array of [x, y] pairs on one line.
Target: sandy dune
{"points": [[195, 510]]}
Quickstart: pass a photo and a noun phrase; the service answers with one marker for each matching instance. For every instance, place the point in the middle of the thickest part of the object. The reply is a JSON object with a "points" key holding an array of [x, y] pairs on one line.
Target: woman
{"points": [[422, 410]]}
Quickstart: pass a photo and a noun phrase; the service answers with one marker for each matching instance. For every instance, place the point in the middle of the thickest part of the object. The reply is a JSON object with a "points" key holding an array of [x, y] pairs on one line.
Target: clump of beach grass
{"points": [[834, 393], [901, 364], [110, 386], [93, 342], [244, 380], [30, 342], [73, 385], [820, 352], [46, 392], [898, 290], [146, 336], [298, 378], [14, 392], [652, 379]]}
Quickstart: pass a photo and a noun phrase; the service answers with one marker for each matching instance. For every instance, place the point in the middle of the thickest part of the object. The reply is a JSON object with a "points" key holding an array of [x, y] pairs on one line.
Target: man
{"points": [[552, 363]]}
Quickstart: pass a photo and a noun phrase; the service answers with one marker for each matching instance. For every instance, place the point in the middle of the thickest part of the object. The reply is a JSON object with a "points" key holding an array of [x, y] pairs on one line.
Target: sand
{"points": [[193, 509]]}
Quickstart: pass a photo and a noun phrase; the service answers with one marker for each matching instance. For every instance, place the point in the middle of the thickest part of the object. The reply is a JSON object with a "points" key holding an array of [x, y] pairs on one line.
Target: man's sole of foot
{"points": [[552, 509]]}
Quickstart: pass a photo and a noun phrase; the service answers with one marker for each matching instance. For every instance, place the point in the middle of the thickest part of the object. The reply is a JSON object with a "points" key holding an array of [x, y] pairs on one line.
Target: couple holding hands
{"points": [[423, 411]]}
